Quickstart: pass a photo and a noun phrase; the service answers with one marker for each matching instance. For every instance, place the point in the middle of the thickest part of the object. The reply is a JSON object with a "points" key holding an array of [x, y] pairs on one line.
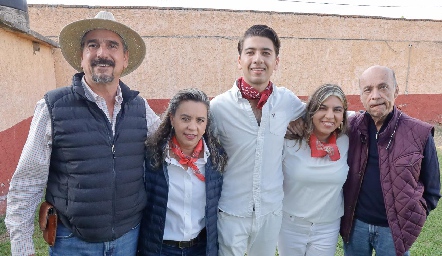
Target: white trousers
{"points": [[300, 237], [251, 235]]}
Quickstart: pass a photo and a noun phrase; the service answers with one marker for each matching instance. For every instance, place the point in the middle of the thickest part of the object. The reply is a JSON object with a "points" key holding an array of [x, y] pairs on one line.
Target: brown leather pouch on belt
{"points": [[48, 222]]}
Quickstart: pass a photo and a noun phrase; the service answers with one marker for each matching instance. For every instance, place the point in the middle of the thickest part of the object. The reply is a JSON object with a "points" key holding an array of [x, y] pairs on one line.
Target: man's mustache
{"points": [[102, 62]]}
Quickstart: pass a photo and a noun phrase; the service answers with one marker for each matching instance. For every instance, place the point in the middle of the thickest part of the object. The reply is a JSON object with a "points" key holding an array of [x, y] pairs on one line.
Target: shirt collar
{"points": [[200, 160], [384, 124], [238, 94], [236, 91], [92, 96]]}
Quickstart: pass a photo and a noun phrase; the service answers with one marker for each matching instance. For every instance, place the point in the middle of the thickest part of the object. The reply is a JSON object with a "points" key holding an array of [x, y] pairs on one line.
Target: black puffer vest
{"points": [[96, 178], [150, 242]]}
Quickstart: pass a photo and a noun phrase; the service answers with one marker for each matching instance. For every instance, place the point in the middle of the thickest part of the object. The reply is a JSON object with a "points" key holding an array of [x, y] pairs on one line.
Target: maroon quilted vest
{"points": [[400, 146]]}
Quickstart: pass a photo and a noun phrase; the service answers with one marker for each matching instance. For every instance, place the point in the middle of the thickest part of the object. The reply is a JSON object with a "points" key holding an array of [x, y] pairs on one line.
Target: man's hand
{"points": [[296, 127]]}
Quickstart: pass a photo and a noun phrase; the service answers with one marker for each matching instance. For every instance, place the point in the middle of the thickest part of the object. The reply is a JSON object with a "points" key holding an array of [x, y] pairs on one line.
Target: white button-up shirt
{"points": [[186, 203], [253, 176], [30, 178]]}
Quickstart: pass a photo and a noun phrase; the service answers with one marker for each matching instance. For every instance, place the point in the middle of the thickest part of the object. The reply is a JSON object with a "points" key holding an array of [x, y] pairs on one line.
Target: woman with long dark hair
{"points": [[183, 177]]}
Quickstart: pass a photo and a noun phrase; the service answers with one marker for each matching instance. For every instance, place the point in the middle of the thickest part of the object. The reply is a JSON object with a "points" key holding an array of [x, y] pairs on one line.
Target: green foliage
{"points": [[4, 240], [429, 243], [2, 226]]}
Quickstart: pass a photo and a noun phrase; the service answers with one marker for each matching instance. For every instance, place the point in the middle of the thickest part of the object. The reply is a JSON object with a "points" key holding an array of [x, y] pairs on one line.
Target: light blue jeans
{"points": [[66, 244], [365, 238]]}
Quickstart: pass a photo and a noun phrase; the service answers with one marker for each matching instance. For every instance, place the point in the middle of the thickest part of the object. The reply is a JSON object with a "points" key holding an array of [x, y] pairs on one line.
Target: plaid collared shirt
{"points": [[30, 178]]}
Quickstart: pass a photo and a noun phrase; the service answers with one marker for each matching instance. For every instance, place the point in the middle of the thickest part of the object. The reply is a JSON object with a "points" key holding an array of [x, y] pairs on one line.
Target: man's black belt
{"points": [[186, 244]]}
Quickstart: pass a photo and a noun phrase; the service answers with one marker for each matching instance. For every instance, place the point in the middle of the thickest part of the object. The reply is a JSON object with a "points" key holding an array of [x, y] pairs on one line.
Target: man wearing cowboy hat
{"points": [[86, 147]]}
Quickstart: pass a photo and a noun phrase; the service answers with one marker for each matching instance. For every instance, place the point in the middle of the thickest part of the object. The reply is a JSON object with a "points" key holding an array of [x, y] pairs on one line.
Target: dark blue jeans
{"points": [[66, 244], [198, 249], [365, 238]]}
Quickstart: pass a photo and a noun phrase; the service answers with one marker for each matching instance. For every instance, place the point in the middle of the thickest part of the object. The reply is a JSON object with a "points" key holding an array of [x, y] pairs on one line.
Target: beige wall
{"points": [[27, 72], [24, 78], [197, 48]]}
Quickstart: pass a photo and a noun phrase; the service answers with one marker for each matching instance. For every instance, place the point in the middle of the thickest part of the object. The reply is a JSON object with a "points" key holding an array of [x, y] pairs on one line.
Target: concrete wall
{"points": [[193, 47], [26, 74]]}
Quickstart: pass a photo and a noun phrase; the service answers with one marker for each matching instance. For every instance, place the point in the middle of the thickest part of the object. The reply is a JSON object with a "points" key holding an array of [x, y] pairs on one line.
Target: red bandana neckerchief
{"points": [[248, 92], [188, 160], [320, 149]]}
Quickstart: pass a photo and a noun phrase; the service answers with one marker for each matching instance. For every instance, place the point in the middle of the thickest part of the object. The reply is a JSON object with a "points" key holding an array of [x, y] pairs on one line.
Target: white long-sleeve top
{"points": [[313, 186], [31, 175], [186, 201], [253, 175]]}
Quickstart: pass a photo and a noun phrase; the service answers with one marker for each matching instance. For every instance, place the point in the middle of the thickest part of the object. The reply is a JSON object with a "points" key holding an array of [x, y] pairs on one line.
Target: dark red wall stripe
{"points": [[11, 145]]}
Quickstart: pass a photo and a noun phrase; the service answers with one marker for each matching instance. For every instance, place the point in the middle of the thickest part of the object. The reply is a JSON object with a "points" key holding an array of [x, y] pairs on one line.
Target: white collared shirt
{"points": [[101, 102], [253, 175], [313, 185], [31, 175], [186, 201]]}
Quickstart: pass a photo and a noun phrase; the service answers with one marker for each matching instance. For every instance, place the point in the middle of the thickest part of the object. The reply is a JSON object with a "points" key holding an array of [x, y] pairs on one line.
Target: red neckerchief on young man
{"points": [[248, 92], [321, 149], [188, 160]]}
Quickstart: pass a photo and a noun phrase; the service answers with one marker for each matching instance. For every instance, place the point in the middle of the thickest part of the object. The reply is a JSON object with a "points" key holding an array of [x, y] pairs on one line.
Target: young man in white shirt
{"points": [[252, 118]]}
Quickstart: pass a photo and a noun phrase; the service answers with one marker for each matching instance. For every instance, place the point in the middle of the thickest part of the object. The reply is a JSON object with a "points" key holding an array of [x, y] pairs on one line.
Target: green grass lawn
{"points": [[429, 242]]}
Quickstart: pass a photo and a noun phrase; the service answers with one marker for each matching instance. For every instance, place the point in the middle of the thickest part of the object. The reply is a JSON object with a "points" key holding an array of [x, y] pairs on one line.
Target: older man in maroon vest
{"points": [[394, 178]]}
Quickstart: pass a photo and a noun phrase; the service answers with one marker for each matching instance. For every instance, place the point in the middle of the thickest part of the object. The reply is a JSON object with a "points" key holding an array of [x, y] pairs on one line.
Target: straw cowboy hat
{"points": [[71, 36]]}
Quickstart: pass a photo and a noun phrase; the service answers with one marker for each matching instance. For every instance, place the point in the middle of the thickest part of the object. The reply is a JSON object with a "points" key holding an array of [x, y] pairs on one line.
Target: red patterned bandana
{"points": [[188, 160], [248, 92], [320, 149]]}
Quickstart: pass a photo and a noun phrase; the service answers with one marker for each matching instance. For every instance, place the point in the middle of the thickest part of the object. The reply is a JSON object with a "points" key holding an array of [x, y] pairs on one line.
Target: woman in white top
{"points": [[315, 169], [183, 180]]}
